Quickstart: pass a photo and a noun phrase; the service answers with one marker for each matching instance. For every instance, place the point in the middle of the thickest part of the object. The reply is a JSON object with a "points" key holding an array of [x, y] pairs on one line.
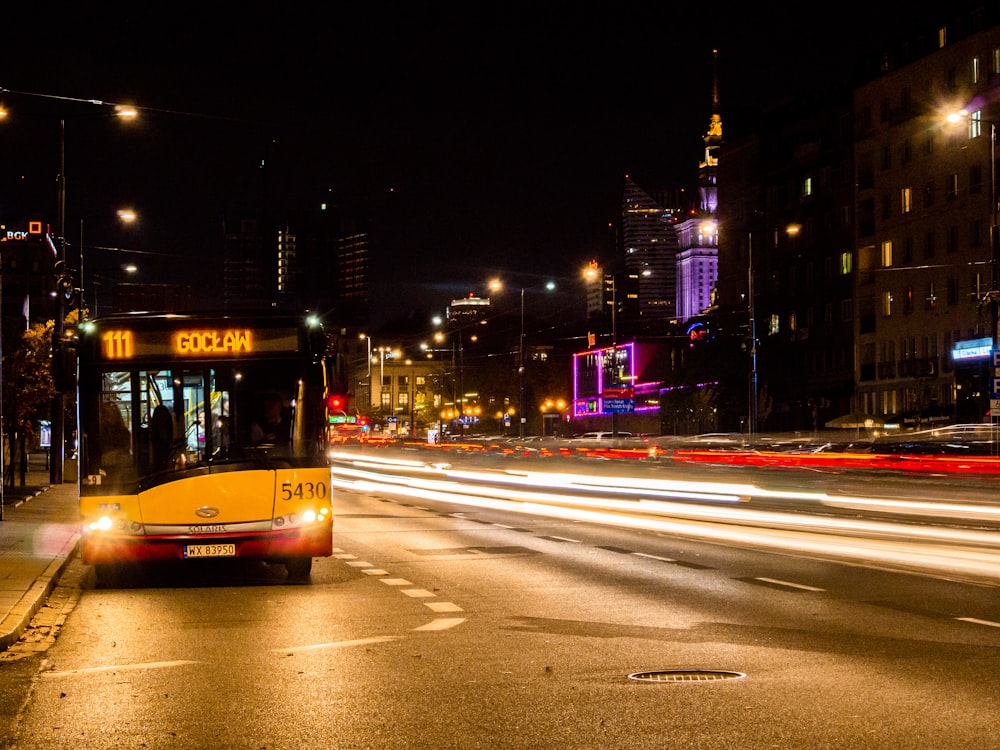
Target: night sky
{"points": [[479, 138]]}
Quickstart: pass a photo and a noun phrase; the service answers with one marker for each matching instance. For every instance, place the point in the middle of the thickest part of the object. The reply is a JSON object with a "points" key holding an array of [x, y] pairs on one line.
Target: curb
{"points": [[14, 624], [14, 499]]}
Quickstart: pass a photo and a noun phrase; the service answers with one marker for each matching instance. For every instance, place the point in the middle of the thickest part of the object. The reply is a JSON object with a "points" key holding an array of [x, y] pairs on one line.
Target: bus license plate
{"points": [[210, 550]]}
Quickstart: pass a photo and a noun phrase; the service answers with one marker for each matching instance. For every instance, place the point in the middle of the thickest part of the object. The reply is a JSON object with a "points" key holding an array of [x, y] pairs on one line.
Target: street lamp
{"points": [[123, 112], [591, 273], [497, 286], [752, 410], [126, 216], [991, 297]]}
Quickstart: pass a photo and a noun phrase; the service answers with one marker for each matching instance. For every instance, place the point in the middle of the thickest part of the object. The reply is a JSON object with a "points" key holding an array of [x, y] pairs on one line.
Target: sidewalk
{"points": [[38, 536]]}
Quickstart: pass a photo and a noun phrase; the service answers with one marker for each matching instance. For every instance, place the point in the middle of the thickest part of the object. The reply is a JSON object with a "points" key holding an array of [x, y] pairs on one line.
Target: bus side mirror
{"points": [[64, 368]]}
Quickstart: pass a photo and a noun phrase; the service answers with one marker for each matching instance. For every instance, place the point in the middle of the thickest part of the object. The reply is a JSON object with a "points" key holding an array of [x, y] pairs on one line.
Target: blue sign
{"points": [[995, 384], [619, 405], [466, 419], [392, 420]]}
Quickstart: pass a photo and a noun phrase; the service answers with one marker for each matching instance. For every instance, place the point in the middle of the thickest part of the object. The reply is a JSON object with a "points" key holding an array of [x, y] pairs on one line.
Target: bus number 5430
{"points": [[303, 491]]}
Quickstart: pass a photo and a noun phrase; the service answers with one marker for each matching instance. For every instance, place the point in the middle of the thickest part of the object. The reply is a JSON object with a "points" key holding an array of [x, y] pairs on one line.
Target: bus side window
{"points": [[161, 436], [116, 440]]}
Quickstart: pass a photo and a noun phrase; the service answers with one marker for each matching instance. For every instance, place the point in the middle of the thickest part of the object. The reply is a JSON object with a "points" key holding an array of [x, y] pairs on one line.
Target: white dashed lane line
{"points": [[977, 621], [789, 584], [439, 623]]}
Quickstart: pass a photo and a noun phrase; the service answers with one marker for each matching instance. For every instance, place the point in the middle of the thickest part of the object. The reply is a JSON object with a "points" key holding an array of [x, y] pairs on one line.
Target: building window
{"points": [[403, 399], [929, 194], [907, 150], [887, 304], [995, 64], [952, 292], [886, 206], [386, 401], [907, 250], [846, 310], [930, 302], [906, 200], [886, 159], [929, 244], [928, 143], [908, 301], [975, 178], [807, 187], [974, 70], [975, 233], [887, 254], [846, 263], [952, 239], [975, 124], [884, 109], [952, 189]]}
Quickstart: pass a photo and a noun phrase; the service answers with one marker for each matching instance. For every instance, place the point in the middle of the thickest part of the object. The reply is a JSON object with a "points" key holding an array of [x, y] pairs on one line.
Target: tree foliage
{"points": [[28, 389]]}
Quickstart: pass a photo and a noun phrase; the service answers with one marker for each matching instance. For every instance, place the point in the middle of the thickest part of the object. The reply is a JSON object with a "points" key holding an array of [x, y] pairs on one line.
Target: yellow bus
{"points": [[204, 436]]}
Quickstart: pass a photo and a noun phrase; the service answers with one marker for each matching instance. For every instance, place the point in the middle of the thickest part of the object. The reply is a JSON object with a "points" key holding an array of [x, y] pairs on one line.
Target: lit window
{"points": [[846, 263], [887, 254], [975, 124], [887, 304], [906, 200]]}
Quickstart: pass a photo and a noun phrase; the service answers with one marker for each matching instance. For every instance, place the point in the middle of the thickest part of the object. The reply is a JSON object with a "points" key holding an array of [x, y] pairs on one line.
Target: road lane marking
{"points": [[977, 621], [396, 582], [418, 593], [443, 607], [360, 564], [122, 668], [441, 623], [375, 572], [778, 582], [338, 644], [654, 557]]}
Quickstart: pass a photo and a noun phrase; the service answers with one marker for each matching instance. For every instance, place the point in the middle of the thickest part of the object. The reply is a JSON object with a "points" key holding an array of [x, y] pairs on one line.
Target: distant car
{"points": [[604, 435]]}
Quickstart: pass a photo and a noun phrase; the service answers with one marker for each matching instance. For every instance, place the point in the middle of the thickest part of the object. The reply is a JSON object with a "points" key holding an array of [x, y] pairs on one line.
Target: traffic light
{"points": [[67, 292], [336, 402]]}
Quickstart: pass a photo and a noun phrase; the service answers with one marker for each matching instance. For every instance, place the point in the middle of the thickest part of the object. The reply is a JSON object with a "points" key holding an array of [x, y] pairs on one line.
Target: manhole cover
{"points": [[686, 675]]}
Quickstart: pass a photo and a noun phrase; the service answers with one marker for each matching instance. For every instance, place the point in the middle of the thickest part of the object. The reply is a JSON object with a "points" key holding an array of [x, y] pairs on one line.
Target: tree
{"points": [[28, 389]]}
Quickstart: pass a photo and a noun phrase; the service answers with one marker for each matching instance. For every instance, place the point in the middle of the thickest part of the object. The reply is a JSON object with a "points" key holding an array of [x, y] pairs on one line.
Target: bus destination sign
{"points": [[126, 343]]}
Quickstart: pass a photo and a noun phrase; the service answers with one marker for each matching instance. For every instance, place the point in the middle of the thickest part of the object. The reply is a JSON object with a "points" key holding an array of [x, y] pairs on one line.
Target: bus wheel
{"points": [[298, 567]]}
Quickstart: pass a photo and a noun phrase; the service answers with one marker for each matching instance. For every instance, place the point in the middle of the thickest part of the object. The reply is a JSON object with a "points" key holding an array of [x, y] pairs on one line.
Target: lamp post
{"points": [[992, 297], [368, 374], [520, 370], [591, 274], [58, 415], [752, 396], [126, 216], [497, 286]]}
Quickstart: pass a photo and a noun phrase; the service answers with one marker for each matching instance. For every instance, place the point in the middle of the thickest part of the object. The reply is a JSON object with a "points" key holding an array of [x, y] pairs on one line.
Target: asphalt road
{"points": [[443, 625]]}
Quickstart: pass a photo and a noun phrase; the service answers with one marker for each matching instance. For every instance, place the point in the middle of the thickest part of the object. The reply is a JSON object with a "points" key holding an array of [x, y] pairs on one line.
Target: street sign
{"points": [[392, 420], [617, 391], [619, 405]]}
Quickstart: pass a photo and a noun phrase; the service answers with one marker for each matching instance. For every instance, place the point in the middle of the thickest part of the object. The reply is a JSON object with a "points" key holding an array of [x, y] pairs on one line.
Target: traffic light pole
{"points": [[58, 411]]}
